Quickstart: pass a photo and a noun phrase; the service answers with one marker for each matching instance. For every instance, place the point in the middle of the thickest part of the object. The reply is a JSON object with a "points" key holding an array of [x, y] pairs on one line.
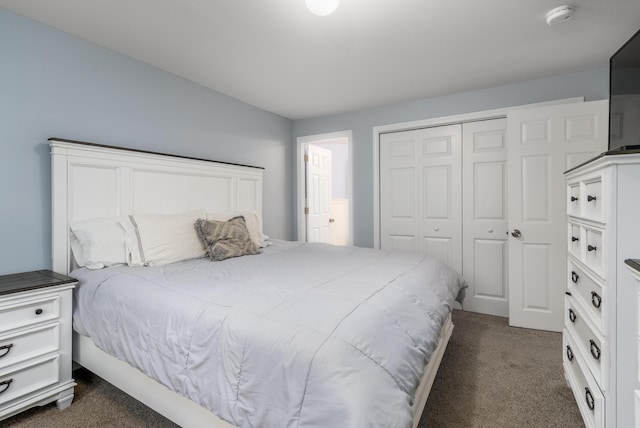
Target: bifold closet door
{"points": [[484, 212], [420, 192]]}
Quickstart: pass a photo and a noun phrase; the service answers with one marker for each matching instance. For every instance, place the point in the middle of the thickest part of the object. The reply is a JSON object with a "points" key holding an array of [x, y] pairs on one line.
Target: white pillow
{"points": [[254, 225], [155, 240], [98, 243]]}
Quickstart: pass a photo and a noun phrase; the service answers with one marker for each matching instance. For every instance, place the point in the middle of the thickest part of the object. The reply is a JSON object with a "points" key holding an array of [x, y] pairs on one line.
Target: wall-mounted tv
{"points": [[624, 96]]}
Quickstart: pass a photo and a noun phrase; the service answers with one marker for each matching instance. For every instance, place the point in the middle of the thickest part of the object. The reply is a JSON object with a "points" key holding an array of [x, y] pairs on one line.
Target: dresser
{"points": [[35, 341], [599, 337]]}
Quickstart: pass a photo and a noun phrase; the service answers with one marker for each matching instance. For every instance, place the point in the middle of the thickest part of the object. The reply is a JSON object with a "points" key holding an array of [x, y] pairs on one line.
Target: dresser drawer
{"points": [[26, 379], [573, 204], [593, 249], [588, 291], [591, 345], [588, 396], [592, 200], [18, 313], [27, 344], [585, 198], [587, 244], [574, 240]]}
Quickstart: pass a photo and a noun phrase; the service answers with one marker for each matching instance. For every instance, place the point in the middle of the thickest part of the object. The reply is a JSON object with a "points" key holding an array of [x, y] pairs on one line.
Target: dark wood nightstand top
{"points": [[31, 281]]}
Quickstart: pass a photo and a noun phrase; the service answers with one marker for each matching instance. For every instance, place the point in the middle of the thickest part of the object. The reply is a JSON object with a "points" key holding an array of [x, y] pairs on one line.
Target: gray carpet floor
{"points": [[492, 375]]}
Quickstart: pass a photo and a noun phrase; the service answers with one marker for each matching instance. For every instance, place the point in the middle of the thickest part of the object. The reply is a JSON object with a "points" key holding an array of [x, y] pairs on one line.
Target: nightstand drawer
{"points": [[591, 345], [28, 344], [586, 391], [26, 379], [23, 312], [588, 291]]}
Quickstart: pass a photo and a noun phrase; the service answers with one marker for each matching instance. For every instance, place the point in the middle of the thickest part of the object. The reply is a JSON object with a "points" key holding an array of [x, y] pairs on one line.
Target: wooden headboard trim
{"points": [[92, 180]]}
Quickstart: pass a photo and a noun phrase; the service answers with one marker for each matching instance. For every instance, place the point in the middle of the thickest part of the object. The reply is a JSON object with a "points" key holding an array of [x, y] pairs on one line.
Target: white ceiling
{"points": [[276, 55]]}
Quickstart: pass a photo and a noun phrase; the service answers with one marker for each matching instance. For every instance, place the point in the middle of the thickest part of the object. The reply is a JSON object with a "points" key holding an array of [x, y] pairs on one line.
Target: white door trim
{"points": [[299, 160], [425, 123]]}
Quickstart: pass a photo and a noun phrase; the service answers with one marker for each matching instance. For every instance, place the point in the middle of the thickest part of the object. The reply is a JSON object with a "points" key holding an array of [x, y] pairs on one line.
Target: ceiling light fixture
{"points": [[559, 14], [322, 7]]}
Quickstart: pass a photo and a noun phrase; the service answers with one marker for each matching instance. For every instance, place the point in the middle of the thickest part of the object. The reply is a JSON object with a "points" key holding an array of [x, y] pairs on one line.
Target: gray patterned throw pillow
{"points": [[225, 239]]}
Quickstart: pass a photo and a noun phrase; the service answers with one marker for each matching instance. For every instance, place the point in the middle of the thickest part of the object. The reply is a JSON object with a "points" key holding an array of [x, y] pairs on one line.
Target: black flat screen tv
{"points": [[624, 96]]}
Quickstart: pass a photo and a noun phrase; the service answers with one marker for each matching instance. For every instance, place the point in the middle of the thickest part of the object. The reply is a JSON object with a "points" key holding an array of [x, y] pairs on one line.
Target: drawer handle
{"points": [[595, 351], [569, 353], [572, 316], [39, 311], [573, 199], [574, 239], [574, 277], [5, 385], [596, 300], [589, 398], [5, 349], [591, 248], [591, 198]]}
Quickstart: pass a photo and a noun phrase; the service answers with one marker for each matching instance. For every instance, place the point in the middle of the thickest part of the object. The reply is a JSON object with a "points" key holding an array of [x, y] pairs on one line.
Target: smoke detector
{"points": [[559, 14]]}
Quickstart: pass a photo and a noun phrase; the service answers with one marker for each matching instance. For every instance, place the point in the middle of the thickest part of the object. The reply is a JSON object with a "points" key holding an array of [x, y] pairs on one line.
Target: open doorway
{"points": [[324, 208]]}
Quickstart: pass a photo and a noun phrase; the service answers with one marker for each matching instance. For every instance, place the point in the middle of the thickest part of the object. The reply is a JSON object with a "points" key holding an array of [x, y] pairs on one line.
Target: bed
{"points": [[304, 335]]}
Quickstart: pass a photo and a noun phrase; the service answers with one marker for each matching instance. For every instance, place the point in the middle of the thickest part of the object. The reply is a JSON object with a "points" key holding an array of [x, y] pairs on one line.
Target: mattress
{"points": [[302, 335]]}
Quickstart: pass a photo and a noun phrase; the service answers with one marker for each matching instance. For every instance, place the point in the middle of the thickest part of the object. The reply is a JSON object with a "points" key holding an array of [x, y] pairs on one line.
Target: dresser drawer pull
{"points": [[591, 248], [5, 385], [574, 239], [589, 398], [574, 277], [39, 311], [5, 349], [572, 316], [569, 353], [573, 199], [596, 300], [591, 198], [595, 351]]}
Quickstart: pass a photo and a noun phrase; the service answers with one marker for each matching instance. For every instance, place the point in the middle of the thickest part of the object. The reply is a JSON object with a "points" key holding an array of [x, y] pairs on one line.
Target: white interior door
{"points": [[318, 179], [542, 144], [484, 208], [420, 193]]}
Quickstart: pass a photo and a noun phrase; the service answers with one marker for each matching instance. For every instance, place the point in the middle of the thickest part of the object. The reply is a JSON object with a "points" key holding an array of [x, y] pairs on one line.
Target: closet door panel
{"points": [[420, 192], [398, 202], [441, 193], [484, 186]]}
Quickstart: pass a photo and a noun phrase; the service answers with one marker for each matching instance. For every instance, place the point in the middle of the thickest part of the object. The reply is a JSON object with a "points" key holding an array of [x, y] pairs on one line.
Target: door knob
{"points": [[516, 233], [331, 220]]}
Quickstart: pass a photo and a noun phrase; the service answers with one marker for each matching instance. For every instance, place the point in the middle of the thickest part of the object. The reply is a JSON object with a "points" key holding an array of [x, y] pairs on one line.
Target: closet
{"points": [[443, 194], [488, 198]]}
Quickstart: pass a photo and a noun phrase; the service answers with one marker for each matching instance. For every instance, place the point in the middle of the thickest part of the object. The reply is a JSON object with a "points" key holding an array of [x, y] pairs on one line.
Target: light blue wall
{"points": [[592, 84], [53, 84]]}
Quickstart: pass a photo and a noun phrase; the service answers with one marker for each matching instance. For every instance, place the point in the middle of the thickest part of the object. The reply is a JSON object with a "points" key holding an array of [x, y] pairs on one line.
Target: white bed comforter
{"points": [[303, 335]]}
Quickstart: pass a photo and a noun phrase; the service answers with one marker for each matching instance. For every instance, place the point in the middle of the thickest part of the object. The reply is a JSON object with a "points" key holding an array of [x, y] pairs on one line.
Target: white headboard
{"points": [[92, 180]]}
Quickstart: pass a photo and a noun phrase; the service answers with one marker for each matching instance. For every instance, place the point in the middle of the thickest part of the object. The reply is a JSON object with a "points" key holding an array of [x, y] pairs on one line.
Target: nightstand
{"points": [[35, 341]]}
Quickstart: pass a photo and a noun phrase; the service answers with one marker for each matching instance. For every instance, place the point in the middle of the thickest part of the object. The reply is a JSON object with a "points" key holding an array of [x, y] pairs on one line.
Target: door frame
{"points": [[428, 123], [300, 180]]}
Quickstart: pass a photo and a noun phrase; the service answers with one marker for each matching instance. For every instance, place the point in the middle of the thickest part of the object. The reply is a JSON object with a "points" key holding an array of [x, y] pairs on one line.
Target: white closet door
{"points": [[420, 193], [542, 144], [318, 193], [484, 208]]}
